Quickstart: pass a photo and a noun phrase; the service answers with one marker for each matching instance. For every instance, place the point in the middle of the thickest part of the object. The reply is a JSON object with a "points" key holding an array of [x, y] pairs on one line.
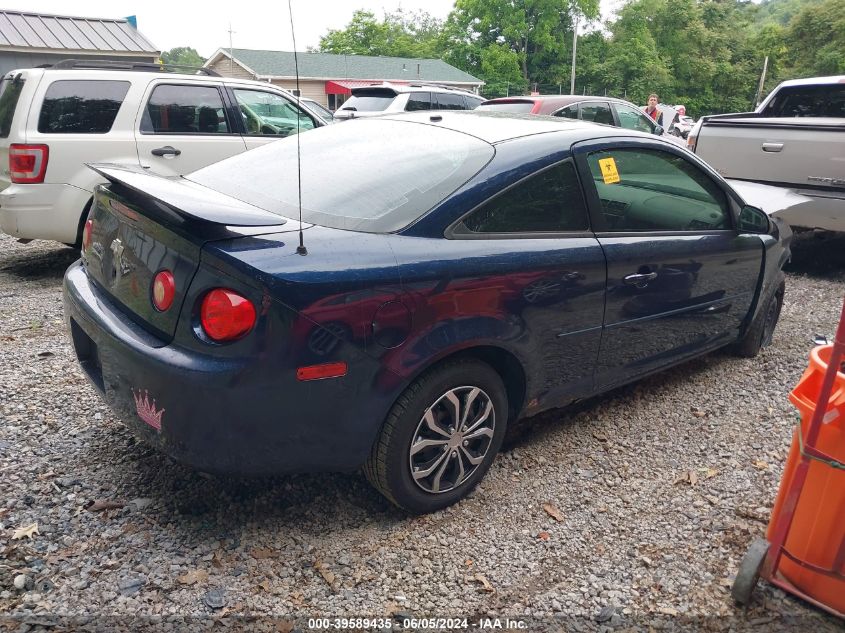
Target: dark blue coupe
{"points": [[459, 271]]}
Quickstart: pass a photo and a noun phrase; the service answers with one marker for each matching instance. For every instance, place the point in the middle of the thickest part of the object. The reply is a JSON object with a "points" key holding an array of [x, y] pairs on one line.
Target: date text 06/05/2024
{"points": [[414, 624]]}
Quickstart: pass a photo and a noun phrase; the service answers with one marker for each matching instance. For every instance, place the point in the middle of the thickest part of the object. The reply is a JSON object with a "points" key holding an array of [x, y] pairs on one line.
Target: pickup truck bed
{"points": [[794, 140]]}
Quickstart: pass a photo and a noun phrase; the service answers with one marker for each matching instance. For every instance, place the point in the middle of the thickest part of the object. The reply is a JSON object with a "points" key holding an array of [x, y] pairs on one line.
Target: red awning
{"points": [[344, 86]]}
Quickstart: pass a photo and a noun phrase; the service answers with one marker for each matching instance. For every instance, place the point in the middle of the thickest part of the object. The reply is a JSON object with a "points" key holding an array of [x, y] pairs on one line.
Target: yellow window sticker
{"points": [[609, 173]]}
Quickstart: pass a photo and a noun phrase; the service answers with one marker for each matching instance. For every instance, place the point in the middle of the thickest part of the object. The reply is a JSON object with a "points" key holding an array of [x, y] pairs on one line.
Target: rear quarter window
{"points": [[81, 106], [808, 101], [10, 92]]}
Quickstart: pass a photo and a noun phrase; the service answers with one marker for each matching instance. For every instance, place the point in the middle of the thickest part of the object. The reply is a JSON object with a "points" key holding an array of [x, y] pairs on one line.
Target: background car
{"points": [[319, 109], [683, 125], [56, 119], [388, 98], [411, 304], [606, 110]]}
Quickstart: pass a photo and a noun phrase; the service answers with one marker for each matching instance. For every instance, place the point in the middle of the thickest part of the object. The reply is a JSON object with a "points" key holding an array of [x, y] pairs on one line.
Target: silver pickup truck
{"points": [[794, 141]]}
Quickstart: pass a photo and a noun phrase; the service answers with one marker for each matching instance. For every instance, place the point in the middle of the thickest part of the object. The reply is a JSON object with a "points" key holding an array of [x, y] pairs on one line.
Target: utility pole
{"points": [[760, 85], [574, 48], [231, 53]]}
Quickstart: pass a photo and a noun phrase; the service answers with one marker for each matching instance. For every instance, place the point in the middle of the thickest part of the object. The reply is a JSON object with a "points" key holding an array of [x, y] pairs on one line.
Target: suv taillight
{"points": [[28, 163]]}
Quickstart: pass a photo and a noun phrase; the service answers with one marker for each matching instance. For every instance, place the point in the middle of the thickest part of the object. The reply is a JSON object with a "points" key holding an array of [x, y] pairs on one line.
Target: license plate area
{"points": [[86, 353]]}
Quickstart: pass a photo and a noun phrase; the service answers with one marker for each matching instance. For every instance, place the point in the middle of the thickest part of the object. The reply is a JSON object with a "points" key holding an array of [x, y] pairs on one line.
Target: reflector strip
{"points": [[318, 372]]}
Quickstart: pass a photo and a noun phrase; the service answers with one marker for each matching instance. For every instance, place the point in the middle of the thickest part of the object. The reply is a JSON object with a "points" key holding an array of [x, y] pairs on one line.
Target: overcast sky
{"points": [[260, 25]]}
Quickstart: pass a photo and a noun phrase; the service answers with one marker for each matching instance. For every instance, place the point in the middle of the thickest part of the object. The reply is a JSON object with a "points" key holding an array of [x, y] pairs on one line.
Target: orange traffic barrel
{"points": [[814, 551]]}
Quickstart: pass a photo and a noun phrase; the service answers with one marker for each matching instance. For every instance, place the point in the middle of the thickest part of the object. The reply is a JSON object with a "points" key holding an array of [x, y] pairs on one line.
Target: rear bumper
{"points": [[43, 211], [246, 415]]}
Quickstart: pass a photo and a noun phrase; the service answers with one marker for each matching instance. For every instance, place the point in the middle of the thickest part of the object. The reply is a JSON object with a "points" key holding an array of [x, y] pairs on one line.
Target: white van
{"points": [[54, 120]]}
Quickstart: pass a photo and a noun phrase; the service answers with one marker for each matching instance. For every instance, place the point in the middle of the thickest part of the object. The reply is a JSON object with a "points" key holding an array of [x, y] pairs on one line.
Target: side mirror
{"points": [[658, 130], [753, 220]]}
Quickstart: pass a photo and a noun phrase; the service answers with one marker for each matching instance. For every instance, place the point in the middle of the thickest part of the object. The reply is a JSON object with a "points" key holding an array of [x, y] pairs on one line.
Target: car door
{"points": [[267, 116], [528, 253], [633, 119], [680, 276], [183, 127]]}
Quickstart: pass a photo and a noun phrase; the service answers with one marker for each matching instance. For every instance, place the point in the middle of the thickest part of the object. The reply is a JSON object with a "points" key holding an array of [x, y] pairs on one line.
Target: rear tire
{"points": [[759, 334], [440, 437], [77, 245]]}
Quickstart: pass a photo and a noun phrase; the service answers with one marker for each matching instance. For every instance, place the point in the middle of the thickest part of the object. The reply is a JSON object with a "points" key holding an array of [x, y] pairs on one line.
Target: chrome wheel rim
{"points": [[452, 439]]}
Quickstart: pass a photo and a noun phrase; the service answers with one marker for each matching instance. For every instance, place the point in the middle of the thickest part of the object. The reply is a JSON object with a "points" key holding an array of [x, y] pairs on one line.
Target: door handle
{"points": [[167, 151], [639, 280], [772, 147]]}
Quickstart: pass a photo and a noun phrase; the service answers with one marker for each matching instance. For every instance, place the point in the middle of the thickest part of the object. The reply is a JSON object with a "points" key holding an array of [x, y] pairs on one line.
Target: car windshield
{"points": [[508, 106], [354, 176]]}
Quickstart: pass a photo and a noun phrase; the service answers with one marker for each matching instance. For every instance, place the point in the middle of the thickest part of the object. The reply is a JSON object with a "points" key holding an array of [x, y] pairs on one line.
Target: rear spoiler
{"points": [[187, 198]]}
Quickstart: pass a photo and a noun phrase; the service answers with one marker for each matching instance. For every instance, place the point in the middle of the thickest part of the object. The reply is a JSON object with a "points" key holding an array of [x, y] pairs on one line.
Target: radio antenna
{"points": [[300, 250]]}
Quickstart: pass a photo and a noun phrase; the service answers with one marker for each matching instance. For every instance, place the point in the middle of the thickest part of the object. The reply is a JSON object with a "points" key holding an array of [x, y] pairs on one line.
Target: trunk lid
{"points": [[142, 224]]}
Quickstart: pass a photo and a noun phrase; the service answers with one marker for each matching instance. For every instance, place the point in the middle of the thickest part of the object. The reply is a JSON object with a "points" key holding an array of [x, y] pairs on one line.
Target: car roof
{"points": [[414, 87], [812, 81], [128, 74], [497, 127], [554, 102]]}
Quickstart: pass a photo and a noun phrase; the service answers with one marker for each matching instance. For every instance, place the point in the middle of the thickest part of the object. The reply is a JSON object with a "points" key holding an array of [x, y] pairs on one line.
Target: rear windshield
{"points": [[815, 101], [354, 175], [369, 100], [510, 106], [10, 92], [81, 106]]}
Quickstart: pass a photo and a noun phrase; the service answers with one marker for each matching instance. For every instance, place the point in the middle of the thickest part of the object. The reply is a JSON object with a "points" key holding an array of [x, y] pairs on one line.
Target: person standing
{"points": [[653, 111]]}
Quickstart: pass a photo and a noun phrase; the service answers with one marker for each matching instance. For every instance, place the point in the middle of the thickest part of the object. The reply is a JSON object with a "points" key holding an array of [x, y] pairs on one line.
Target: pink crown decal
{"points": [[146, 410]]}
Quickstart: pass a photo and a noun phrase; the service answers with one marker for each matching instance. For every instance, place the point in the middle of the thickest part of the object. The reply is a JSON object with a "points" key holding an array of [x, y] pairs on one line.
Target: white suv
{"points": [[386, 98], [54, 120]]}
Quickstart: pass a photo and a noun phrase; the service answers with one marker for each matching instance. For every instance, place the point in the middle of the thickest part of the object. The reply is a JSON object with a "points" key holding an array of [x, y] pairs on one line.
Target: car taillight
{"points": [[225, 315], [28, 163], [86, 234], [164, 289]]}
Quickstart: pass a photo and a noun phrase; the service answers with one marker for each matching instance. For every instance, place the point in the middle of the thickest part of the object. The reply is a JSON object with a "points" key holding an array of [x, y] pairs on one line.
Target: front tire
{"points": [[440, 437], [761, 330]]}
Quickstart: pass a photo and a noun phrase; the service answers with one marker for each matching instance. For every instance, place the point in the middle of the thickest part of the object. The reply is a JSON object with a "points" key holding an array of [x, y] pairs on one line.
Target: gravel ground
{"points": [[658, 489]]}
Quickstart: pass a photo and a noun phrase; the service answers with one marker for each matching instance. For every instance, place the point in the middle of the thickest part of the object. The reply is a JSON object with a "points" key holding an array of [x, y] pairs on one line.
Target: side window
{"points": [[418, 101], [597, 112], [473, 102], [547, 202], [174, 109], [653, 190], [569, 112], [269, 113], [81, 107], [447, 101], [633, 119]]}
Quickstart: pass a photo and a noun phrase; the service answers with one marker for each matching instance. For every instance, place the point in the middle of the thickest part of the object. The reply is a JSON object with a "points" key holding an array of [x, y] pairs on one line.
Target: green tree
{"points": [[398, 34], [183, 55], [816, 38], [538, 34]]}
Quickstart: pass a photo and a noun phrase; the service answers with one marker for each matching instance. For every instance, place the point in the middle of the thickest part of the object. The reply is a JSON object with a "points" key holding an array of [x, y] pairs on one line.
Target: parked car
{"points": [[319, 109], [426, 299], [793, 141], [54, 120], [683, 126], [390, 98], [605, 110]]}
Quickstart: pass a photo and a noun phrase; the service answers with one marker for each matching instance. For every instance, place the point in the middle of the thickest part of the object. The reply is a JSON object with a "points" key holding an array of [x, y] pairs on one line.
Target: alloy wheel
{"points": [[452, 439]]}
